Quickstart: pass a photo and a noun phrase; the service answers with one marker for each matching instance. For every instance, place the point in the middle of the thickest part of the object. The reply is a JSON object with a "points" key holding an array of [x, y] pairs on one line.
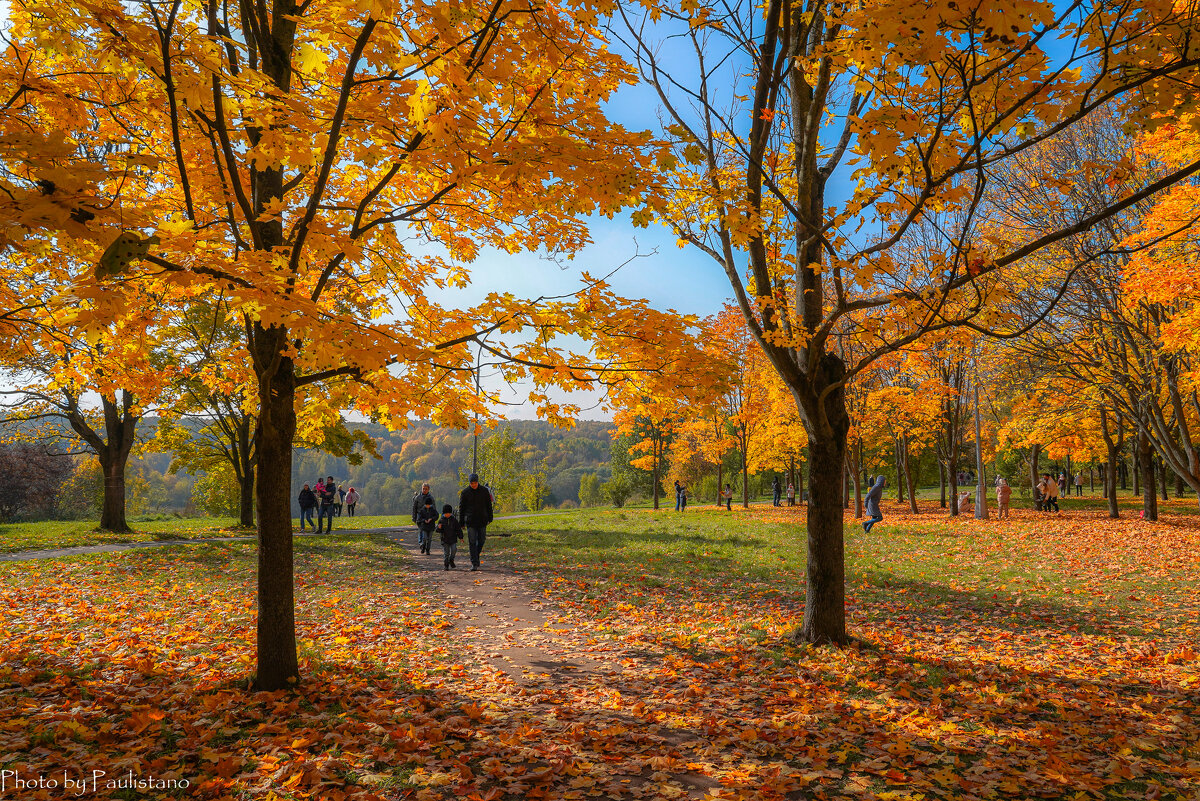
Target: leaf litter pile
{"points": [[1035, 659]]}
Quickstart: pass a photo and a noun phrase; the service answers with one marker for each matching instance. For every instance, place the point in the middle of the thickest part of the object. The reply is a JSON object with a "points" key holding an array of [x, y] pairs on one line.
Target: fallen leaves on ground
{"points": [[674, 681]]}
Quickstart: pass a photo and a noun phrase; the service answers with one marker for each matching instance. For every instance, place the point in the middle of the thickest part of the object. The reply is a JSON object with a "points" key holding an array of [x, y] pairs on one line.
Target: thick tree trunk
{"points": [[654, 478], [1162, 480], [1149, 491], [942, 481], [112, 512], [800, 483], [825, 600], [120, 428], [981, 510], [277, 663], [1035, 454], [246, 499], [745, 478], [825, 597], [720, 484], [908, 479], [858, 479], [1110, 483], [1138, 468]]}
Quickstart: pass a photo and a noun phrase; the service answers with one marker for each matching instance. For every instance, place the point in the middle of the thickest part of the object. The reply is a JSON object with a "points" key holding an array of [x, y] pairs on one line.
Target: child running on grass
{"points": [[451, 532], [427, 518]]}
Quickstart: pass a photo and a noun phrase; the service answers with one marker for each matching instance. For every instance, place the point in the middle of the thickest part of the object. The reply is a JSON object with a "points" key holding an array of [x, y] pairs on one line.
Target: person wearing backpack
{"points": [[351, 499]]}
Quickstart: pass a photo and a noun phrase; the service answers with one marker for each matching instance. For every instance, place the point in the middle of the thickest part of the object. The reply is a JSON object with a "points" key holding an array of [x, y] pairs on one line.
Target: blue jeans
{"points": [[450, 550], [875, 518], [326, 511], [476, 536], [306, 514]]}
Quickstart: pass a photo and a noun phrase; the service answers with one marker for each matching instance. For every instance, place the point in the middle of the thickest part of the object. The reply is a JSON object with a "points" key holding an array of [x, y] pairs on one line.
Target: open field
{"points": [[1046, 658]]}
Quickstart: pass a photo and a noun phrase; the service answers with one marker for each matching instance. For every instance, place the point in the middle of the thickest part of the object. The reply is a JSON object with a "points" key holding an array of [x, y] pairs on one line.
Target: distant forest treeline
{"points": [[422, 452]]}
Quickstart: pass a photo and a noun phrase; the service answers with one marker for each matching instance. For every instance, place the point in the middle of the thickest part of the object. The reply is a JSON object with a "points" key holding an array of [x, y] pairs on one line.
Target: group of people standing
{"points": [[777, 493], [325, 498], [474, 515], [681, 497]]}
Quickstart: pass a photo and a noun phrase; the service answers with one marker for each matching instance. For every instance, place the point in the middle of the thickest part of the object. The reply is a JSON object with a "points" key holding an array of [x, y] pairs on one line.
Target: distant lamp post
{"points": [[475, 430], [981, 510]]}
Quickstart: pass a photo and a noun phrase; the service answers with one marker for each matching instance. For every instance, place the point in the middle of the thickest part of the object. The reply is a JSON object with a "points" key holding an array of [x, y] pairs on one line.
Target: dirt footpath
{"points": [[500, 616]]}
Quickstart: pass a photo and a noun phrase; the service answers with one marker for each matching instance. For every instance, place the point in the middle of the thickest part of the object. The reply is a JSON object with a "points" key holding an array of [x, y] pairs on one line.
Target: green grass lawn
{"points": [[66, 534], [1046, 657]]}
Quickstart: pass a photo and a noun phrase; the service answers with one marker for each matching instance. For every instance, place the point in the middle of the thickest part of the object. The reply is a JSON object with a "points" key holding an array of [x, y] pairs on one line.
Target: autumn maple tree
{"points": [[332, 170], [850, 131]]}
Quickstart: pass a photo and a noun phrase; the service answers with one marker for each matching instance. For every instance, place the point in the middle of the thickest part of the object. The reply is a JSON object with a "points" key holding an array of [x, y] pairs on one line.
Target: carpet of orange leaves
{"points": [[994, 661]]}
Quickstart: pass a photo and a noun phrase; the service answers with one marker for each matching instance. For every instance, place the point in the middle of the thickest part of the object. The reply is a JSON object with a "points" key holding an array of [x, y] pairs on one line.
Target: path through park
{"points": [[551, 669]]}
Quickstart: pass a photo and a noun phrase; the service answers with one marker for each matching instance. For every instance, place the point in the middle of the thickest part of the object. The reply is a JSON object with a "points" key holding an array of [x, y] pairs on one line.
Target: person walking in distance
{"points": [[1003, 496], [328, 499], [419, 501], [351, 501], [308, 502], [874, 496], [426, 523], [451, 532], [475, 511], [775, 492]]}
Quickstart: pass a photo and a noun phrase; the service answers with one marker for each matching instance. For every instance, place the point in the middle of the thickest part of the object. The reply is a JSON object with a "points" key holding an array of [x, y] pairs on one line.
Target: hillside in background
{"points": [[424, 452]]}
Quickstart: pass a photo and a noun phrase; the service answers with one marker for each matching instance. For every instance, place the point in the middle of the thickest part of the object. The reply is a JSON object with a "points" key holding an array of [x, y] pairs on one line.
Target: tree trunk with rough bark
{"points": [[1149, 491], [1034, 456], [277, 662]]}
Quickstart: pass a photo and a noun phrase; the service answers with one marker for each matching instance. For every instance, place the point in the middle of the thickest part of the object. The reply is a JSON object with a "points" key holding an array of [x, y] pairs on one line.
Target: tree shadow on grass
{"points": [[941, 605]]}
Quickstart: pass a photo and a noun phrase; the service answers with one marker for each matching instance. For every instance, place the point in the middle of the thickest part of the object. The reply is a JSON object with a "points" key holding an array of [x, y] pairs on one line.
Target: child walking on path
{"points": [[451, 533]]}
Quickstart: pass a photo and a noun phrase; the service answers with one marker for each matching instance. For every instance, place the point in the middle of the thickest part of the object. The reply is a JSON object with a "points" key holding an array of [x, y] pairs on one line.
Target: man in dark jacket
{"points": [[475, 512], [419, 501], [308, 502], [328, 504], [874, 496], [776, 489]]}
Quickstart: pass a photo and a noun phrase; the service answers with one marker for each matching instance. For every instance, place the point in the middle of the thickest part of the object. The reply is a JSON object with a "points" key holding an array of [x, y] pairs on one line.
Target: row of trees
{"points": [[306, 176]]}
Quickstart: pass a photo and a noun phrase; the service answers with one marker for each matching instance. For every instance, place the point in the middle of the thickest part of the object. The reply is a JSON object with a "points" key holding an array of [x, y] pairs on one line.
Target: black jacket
{"points": [[475, 506], [427, 518], [308, 499], [450, 530], [419, 504], [329, 496]]}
